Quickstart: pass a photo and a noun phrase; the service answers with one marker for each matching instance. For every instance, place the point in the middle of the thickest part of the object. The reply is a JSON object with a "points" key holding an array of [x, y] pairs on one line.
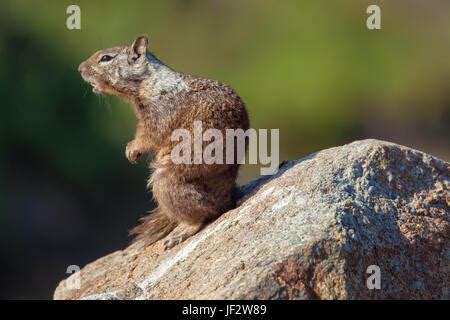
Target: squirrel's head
{"points": [[118, 70]]}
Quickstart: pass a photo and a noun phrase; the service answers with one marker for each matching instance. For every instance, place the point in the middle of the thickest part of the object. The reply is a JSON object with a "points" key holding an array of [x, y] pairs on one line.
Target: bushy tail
{"points": [[153, 227]]}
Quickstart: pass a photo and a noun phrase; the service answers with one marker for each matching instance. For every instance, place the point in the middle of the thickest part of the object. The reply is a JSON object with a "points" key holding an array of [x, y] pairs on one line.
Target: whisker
{"points": [[99, 99], [108, 104]]}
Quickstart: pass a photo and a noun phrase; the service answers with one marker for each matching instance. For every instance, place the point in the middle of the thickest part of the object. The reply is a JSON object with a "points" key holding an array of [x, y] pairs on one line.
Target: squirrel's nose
{"points": [[80, 67]]}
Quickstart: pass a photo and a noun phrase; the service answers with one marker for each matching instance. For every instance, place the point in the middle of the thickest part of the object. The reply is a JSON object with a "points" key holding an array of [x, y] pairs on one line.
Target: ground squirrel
{"points": [[188, 195]]}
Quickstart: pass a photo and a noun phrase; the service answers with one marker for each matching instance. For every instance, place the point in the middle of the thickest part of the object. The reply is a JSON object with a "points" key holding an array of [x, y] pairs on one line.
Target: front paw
{"points": [[132, 152]]}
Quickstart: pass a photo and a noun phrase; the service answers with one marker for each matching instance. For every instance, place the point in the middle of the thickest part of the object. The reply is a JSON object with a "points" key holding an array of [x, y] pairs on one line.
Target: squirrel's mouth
{"points": [[96, 87]]}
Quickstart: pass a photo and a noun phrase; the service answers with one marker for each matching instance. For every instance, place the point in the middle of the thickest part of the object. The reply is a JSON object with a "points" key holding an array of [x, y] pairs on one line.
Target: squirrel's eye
{"points": [[105, 58]]}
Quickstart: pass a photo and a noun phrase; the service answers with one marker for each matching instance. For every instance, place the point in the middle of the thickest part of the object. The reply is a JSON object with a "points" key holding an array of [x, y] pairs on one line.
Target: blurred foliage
{"points": [[310, 68]]}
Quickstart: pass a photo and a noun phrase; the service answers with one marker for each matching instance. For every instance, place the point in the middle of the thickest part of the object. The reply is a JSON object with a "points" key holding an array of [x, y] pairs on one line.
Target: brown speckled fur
{"points": [[188, 195]]}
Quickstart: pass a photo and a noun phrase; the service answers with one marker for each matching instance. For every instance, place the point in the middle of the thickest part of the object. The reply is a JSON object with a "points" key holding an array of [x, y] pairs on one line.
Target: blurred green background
{"points": [[310, 68]]}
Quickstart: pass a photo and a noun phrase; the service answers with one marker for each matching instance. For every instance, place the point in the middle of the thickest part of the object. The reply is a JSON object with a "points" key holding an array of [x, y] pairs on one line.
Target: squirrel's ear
{"points": [[139, 47]]}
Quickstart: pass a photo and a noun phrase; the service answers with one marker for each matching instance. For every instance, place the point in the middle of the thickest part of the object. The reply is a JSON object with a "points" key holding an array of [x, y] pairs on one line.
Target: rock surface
{"points": [[309, 232]]}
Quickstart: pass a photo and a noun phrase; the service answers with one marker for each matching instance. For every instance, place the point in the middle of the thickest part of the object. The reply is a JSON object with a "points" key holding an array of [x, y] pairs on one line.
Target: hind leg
{"points": [[191, 202], [191, 208], [192, 205], [181, 233]]}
